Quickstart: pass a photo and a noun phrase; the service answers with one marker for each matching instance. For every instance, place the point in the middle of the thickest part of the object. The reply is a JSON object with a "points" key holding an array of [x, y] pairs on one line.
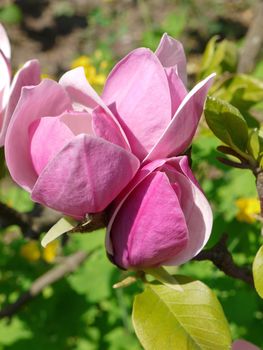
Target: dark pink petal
{"points": [[150, 227], [244, 345], [85, 176], [138, 92], [197, 211], [46, 99], [28, 75], [179, 133], [4, 43], [171, 54]]}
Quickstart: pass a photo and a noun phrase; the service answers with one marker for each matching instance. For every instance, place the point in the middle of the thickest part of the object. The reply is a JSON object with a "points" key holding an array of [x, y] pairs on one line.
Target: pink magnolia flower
{"points": [[75, 151], [146, 94], [162, 219], [10, 92], [244, 345], [53, 152]]}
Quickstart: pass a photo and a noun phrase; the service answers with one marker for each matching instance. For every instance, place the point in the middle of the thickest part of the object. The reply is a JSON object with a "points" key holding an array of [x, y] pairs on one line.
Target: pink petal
{"points": [[150, 226], [179, 133], [197, 211], [244, 345], [77, 122], [46, 99], [138, 92], [4, 82], [85, 176], [48, 136], [4, 43], [84, 97], [177, 89], [29, 74], [105, 127], [171, 54]]}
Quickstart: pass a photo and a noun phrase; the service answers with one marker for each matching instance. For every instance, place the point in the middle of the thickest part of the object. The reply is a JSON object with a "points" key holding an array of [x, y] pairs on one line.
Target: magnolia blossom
{"points": [[163, 218], [243, 345], [75, 151], [10, 92]]}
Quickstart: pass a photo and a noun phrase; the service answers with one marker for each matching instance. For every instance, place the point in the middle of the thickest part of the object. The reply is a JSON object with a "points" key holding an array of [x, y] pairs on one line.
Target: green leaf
{"points": [[254, 144], [208, 55], [227, 123], [11, 14], [167, 319], [258, 272]]}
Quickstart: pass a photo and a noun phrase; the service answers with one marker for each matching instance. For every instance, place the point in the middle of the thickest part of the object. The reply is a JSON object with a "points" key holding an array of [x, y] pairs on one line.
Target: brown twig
{"points": [[222, 258], [253, 41], [69, 264], [31, 225]]}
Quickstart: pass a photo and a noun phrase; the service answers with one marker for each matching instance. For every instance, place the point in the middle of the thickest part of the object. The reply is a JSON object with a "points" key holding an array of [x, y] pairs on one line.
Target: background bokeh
{"points": [[83, 311]]}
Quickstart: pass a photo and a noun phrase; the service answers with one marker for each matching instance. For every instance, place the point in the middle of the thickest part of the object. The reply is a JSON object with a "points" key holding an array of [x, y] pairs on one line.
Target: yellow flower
{"points": [[50, 251], [45, 76], [248, 209], [30, 251]]}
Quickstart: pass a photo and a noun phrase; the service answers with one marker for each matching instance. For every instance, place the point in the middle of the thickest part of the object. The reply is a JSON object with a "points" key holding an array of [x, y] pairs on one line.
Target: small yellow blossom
{"points": [[50, 252], [30, 251], [248, 209], [103, 64]]}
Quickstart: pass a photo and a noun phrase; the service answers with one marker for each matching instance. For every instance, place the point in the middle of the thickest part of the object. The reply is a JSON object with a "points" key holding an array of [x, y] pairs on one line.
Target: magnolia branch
{"points": [[69, 264], [222, 259], [31, 225]]}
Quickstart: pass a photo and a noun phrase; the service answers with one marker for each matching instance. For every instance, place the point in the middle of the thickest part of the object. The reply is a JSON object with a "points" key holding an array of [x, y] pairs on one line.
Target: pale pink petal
{"points": [[179, 133], [48, 136], [177, 89], [84, 97], [4, 43], [150, 227], [138, 92], [85, 176], [4, 82], [46, 99], [243, 345], [171, 54], [105, 127], [28, 75], [78, 122]]}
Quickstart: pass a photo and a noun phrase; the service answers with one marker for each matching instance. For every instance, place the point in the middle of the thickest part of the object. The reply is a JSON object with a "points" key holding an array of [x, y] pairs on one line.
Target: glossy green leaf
{"points": [[227, 123], [258, 272], [254, 144], [192, 319]]}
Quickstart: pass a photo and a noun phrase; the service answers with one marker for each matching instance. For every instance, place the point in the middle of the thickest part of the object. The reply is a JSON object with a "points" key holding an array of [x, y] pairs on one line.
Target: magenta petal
{"points": [[85, 176], [4, 43], [48, 136], [28, 75], [46, 99], [138, 91], [150, 227], [197, 211], [180, 132], [171, 54]]}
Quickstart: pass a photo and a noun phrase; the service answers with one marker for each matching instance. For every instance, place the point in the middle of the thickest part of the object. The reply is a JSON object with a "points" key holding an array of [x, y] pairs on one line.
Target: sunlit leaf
{"points": [[258, 272], [190, 320]]}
